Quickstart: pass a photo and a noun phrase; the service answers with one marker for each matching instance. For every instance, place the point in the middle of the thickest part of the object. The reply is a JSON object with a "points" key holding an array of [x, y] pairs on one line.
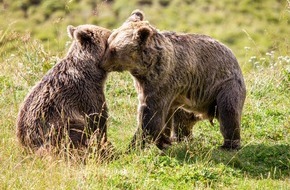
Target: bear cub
{"points": [[68, 104], [180, 79]]}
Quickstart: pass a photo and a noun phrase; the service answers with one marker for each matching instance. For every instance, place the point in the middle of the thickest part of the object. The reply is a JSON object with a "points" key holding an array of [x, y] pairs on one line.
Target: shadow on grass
{"points": [[260, 161]]}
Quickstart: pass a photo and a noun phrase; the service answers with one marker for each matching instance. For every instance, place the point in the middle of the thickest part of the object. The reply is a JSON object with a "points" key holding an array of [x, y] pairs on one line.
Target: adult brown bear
{"points": [[174, 71]]}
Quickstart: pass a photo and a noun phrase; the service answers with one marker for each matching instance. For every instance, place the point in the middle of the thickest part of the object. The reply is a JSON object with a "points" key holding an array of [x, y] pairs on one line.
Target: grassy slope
{"points": [[262, 163]]}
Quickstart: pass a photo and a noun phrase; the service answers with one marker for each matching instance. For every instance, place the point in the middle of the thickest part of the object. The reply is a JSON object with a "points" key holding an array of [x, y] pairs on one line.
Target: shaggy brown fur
{"points": [[189, 71], [68, 104]]}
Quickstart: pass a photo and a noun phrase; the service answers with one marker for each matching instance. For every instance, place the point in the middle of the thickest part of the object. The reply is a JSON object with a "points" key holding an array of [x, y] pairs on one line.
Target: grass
{"points": [[262, 163]]}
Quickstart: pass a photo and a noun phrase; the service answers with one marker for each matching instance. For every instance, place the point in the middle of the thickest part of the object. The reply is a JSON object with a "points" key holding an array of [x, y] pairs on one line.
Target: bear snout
{"points": [[107, 61]]}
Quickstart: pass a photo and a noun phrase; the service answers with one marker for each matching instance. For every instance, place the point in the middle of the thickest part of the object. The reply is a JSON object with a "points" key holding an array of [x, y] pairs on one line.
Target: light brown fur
{"points": [[68, 104], [171, 71]]}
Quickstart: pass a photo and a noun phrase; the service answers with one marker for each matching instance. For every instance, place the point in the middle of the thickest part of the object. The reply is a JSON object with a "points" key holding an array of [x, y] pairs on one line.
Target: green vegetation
{"points": [[33, 37]]}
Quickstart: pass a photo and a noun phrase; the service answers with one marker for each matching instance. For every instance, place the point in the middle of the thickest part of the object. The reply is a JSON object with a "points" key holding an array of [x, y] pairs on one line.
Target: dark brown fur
{"points": [[68, 104], [189, 71]]}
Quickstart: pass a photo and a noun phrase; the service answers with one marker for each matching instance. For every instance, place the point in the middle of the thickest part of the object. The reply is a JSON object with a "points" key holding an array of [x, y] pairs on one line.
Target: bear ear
{"points": [[82, 36], [143, 34], [135, 16], [70, 31]]}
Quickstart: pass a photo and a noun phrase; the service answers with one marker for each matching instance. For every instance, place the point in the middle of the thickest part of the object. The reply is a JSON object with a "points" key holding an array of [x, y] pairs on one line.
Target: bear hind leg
{"points": [[229, 107]]}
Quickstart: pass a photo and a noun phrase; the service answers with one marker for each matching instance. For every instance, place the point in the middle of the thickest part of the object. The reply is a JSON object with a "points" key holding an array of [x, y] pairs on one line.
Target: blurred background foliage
{"points": [[248, 27]]}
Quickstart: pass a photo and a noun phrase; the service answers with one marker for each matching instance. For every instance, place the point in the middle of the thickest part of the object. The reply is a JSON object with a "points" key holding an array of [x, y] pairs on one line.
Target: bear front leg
{"points": [[151, 124]]}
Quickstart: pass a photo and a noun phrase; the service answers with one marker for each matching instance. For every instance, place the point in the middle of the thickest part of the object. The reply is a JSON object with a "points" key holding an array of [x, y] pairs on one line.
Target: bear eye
{"points": [[113, 50]]}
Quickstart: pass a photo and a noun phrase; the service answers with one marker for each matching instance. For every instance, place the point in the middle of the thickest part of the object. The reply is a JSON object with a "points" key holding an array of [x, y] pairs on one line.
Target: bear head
{"points": [[89, 41], [136, 46]]}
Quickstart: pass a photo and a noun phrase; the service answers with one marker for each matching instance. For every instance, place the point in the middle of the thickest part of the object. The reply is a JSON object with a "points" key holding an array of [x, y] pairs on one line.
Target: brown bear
{"points": [[68, 104], [181, 77]]}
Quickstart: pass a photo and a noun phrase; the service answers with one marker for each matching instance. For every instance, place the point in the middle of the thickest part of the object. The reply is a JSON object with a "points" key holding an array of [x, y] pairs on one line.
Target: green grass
{"points": [[258, 33]]}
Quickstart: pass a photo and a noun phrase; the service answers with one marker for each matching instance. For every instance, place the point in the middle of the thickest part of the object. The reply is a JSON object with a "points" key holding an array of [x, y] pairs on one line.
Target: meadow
{"points": [[33, 38]]}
